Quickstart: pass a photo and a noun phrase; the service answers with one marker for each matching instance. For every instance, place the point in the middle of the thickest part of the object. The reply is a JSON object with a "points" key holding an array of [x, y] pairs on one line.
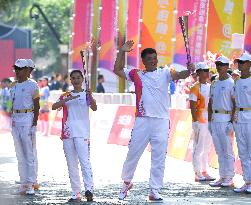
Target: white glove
{"points": [[210, 127], [195, 126]]}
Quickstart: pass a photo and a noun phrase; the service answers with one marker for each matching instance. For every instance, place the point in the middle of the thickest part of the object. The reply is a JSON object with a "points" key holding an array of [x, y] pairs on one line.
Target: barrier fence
{"points": [[114, 122]]}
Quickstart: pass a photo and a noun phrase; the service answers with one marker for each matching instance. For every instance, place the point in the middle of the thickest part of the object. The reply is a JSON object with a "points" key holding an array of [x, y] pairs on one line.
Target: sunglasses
{"points": [[219, 64], [241, 62], [17, 69], [204, 70]]}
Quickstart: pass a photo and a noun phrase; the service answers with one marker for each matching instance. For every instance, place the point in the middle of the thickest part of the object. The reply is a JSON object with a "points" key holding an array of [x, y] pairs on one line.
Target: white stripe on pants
{"points": [[78, 150], [202, 141], [243, 138], [223, 147], [145, 130], [24, 147]]}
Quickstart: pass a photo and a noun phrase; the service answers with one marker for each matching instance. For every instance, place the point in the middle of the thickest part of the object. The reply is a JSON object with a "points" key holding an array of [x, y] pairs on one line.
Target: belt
{"points": [[243, 109], [222, 111], [23, 111]]}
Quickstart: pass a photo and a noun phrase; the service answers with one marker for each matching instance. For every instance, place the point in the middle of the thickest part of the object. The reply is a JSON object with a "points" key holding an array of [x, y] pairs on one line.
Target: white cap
{"points": [[244, 57], [222, 59], [30, 63], [201, 66], [236, 72], [21, 63]]}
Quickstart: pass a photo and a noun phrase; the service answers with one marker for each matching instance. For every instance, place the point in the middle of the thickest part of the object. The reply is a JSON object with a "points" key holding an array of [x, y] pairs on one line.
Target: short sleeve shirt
{"points": [[199, 93], [78, 123], [243, 99], [22, 95], [151, 88], [222, 93]]}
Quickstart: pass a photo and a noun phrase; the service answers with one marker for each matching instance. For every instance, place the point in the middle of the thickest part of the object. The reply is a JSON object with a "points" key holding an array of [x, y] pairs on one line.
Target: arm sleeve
{"points": [[36, 91], [130, 73]]}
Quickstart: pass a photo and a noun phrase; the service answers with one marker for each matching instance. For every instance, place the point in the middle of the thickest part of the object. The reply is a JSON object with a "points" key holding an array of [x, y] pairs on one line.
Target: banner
{"points": [[157, 28], [247, 41], [133, 31], [199, 30], [225, 18], [81, 30], [107, 53]]}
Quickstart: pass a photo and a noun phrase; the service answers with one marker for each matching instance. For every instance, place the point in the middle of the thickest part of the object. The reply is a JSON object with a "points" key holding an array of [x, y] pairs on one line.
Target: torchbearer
{"points": [[76, 134], [25, 110], [221, 109], [243, 119], [152, 116]]}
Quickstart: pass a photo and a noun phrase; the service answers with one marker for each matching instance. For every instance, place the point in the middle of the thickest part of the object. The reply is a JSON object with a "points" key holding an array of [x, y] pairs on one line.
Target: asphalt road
{"points": [[107, 161]]}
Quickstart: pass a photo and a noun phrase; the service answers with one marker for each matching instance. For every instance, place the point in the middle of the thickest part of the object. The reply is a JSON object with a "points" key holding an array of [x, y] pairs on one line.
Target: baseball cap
{"points": [[201, 66], [21, 63], [30, 63], [244, 57], [222, 59]]}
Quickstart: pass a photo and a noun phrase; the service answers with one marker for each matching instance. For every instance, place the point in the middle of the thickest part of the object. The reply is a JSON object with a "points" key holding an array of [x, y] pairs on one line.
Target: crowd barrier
{"points": [[114, 123]]}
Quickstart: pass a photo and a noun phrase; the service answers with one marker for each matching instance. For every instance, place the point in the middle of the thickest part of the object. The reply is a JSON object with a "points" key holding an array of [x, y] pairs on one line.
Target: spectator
{"points": [[100, 87], [5, 98], [66, 83], [56, 82]]}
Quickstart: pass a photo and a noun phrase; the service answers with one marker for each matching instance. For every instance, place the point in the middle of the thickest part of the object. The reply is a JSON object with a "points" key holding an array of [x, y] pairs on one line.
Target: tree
{"points": [[45, 46]]}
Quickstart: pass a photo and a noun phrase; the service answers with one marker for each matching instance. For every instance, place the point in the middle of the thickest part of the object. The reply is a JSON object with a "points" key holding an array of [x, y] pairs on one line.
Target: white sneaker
{"points": [[75, 197], [154, 195], [199, 177], [216, 183], [123, 192], [228, 182], [30, 191], [208, 177], [245, 188], [21, 190]]}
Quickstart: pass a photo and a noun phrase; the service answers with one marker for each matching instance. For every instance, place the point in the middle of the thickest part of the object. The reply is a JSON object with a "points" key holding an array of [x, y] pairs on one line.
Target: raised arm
{"points": [[183, 74], [120, 60]]}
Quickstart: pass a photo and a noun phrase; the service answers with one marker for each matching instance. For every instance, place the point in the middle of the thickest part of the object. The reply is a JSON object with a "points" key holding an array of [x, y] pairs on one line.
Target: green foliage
{"points": [[45, 45]]}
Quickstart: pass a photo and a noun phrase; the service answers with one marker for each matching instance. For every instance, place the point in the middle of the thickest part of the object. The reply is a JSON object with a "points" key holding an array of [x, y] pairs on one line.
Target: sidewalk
{"points": [[107, 161]]}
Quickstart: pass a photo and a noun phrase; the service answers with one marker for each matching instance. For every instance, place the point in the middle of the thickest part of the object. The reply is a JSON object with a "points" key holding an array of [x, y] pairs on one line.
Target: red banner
{"points": [[107, 53], [133, 31], [81, 30], [247, 42]]}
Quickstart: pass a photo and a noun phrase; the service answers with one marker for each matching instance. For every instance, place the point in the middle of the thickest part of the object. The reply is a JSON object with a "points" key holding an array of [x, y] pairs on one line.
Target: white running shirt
{"points": [[22, 95], [151, 88], [243, 99], [78, 121], [222, 92]]}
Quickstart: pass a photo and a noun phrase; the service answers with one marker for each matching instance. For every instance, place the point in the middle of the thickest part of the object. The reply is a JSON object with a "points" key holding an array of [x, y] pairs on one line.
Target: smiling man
{"points": [[152, 116]]}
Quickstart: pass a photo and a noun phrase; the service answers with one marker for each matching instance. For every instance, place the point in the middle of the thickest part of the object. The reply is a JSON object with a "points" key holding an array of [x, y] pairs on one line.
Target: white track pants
{"points": [[148, 130], [223, 147], [78, 150], [24, 145], [243, 137], [202, 141]]}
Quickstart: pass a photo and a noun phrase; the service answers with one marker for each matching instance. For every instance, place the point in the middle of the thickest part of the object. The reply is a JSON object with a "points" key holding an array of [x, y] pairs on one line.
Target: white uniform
{"points": [[202, 140], [23, 133], [243, 125], [151, 123], [221, 93], [76, 141]]}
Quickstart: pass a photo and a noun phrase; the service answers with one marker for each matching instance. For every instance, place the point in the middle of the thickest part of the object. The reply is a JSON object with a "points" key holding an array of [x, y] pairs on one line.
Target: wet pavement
{"points": [[107, 161]]}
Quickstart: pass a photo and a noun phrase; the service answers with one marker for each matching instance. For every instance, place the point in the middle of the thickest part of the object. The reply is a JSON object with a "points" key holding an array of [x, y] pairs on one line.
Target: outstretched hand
{"points": [[127, 47]]}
